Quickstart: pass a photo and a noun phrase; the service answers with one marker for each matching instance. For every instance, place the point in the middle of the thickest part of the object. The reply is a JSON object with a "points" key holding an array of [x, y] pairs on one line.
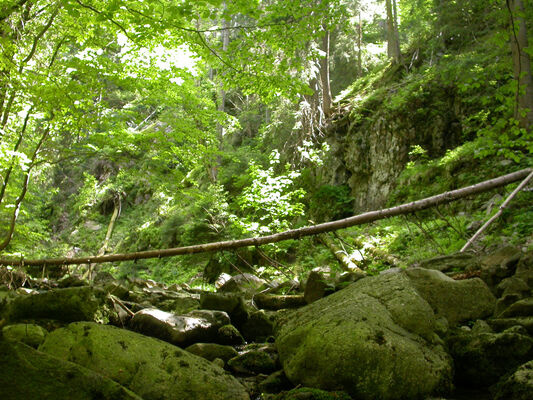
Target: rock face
{"points": [[375, 340], [30, 374], [69, 305], [149, 367], [457, 301]]}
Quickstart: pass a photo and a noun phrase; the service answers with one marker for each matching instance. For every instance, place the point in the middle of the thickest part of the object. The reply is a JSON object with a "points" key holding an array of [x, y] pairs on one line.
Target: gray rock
{"points": [[457, 301], [375, 340], [247, 284], [30, 374], [499, 265], [30, 334], [457, 262], [181, 330], [83, 303], [518, 386], [151, 368]]}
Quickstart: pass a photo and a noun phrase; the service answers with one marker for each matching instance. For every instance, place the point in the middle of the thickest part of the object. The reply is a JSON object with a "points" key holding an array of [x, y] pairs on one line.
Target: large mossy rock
{"points": [[375, 340], [72, 304], [481, 359], [30, 374], [149, 367], [457, 301], [517, 386]]}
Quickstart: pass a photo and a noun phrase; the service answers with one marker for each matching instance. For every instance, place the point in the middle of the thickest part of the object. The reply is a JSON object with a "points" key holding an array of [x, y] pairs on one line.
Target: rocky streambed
{"points": [[452, 327]]}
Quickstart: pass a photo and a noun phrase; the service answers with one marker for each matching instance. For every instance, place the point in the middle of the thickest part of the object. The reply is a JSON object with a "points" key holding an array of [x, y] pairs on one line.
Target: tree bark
{"points": [[521, 64], [343, 259], [324, 75], [393, 40], [359, 48], [291, 234]]}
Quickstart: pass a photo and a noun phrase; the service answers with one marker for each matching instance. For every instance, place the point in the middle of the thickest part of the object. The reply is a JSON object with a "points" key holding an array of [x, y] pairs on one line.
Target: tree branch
{"points": [[500, 211], [291, 234]]}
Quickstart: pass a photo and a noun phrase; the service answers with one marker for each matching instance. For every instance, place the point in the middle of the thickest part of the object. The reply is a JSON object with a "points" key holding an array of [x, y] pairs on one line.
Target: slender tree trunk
{"points": [[25, 183], [224, 36], [324, 75], [359, 48], [393, 41], [521, 64]]}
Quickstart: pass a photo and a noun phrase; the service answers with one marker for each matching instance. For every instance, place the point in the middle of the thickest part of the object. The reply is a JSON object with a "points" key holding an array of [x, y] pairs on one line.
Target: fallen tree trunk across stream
{"points": [[291, 234]]}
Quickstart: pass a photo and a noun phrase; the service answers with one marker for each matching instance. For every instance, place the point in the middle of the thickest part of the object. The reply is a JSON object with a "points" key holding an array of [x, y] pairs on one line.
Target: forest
{"points": [[151, 131]]}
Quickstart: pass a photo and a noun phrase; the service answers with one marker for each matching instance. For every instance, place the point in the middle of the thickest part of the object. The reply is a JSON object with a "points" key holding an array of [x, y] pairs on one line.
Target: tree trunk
{"points": [[360, 219], [324, 75], [359, 48], [393, 41], [521, 64]]}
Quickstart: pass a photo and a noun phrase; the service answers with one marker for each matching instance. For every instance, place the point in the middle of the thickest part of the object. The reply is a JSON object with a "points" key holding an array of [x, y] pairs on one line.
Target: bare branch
{"points": [[500, 211]]}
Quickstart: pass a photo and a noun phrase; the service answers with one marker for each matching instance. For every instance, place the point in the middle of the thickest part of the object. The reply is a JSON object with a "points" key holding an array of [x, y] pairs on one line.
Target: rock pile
{"points": [[455, 321]]}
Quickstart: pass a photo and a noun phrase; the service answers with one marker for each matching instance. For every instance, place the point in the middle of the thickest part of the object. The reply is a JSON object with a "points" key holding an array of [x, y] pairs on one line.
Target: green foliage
{"points": [[331, 202], [271, 201]]}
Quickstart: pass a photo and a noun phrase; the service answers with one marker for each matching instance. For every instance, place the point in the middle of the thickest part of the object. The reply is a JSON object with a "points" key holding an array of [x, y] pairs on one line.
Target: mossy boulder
{"points": [[311, 394], [210, 351], [149, 367], [517, 386], [30, 334], [375, 340], [72, 304], [30, 374], [481, 359], [457, 301]]}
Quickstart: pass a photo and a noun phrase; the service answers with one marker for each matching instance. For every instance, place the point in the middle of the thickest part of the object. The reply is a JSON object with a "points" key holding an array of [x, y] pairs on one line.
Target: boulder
{"points": [[255, 360], [306, 393], [452, 263], [502, 324], [229, 335], [151, 368], [210, 351], [231, 303], [522, 308], [259, 326], [482, 359], [499, 265], [517, 386], [375, 340], [181, 330], [275, 383], [247, 284], [316, 286], [30, 374], [30, 334], [83, 303], [278, 302], [457, 301]]}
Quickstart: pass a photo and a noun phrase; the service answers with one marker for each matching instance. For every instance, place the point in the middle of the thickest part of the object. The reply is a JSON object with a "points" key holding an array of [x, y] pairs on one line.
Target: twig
{"points": [[500, 211]]}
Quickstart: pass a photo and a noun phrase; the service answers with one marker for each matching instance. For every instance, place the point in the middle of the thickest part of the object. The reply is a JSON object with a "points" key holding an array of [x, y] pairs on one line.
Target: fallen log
{"points": [[291, 234]]}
